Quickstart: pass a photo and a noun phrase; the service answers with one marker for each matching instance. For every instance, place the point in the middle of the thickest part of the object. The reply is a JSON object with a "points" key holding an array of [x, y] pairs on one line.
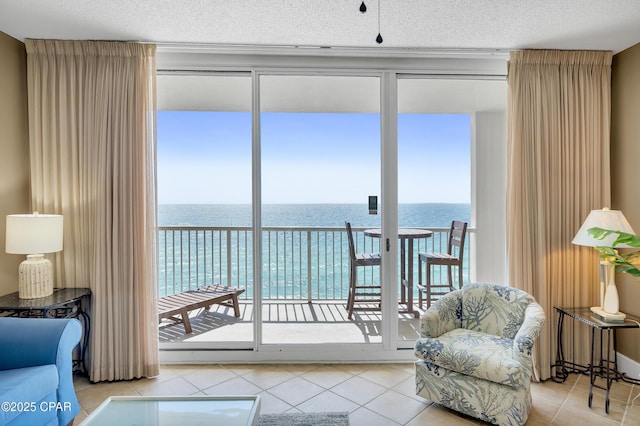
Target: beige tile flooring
{"points": [[373, 394]]}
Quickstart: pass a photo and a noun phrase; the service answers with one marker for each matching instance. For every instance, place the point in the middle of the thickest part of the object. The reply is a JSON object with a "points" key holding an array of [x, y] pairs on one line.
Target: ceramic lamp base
{"points": [[36, 277], [609, 312], [607, 316]]}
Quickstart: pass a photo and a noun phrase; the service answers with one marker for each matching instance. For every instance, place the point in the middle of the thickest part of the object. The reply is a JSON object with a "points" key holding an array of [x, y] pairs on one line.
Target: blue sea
{"points": [[297, 264], [326, 215]]}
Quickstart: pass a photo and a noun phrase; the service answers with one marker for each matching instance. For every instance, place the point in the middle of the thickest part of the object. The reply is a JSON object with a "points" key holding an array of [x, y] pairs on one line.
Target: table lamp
{"points": [[612, 220], [34, 235]]}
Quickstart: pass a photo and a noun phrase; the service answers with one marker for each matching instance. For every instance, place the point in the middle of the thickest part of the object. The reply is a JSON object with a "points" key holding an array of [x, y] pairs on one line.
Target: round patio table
{"points": [[406, 237]]}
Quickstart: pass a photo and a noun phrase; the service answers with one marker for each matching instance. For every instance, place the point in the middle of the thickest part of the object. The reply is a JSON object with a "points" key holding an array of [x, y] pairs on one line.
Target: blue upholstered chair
{"points": [[36, 382], [475, 352]]}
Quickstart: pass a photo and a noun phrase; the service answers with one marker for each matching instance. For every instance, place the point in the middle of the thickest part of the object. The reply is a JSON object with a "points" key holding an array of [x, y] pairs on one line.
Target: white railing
{"points": [[301, 263]]}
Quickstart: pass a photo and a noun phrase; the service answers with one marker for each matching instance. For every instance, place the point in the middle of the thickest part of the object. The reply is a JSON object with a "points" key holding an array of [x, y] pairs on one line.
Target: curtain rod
{"points": [[351, 51]]}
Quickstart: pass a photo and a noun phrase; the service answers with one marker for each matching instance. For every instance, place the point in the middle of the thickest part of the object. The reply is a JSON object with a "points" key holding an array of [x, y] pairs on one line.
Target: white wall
{"points": [[489, 184]]}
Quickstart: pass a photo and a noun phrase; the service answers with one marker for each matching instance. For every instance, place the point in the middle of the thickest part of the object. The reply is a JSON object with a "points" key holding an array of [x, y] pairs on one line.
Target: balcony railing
{"points": [[300, 263]]}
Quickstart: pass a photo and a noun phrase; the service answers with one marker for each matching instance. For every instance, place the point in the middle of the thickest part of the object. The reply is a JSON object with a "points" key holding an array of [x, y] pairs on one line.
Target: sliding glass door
{"points": [[320, 162], [443, 124], [204, 204], [258, 173]]}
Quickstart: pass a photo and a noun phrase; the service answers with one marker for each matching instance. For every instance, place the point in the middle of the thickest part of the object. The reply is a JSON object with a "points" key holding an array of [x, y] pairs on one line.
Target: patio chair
{"points": [[453, 257], [368, 297]]}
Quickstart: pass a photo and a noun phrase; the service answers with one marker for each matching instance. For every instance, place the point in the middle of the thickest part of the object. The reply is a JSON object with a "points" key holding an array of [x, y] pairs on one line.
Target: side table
{"points": [[603, 367], [63, 303]]}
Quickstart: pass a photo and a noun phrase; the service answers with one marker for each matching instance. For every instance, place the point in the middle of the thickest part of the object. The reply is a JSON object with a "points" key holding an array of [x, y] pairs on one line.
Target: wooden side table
{"points": [[599, 366], [63, 303]]}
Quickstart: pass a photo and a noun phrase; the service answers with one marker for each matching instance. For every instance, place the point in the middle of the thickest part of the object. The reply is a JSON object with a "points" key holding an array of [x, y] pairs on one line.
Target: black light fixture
{"points": [[363, 9], [379, 38]]}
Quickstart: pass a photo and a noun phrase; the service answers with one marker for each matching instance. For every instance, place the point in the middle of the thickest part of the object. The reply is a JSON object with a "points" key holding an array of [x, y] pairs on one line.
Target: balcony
{"points": [[305, 282]]}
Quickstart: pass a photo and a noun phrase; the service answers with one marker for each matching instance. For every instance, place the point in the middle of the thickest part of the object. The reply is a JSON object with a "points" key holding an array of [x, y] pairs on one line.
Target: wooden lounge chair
{"points": [[181, 303]]}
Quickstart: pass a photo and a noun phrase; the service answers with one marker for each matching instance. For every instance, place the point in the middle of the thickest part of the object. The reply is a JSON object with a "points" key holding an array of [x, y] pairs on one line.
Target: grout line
{"points": [[566, 399], [630, 403], [399, 368]]}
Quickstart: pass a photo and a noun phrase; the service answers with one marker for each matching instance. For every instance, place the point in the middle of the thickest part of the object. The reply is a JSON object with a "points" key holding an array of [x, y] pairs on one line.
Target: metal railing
{"points": [[299, 263]]}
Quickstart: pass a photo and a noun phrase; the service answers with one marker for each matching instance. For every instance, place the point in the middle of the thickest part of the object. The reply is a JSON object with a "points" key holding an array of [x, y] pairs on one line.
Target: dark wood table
{"points": [[406, 237]]}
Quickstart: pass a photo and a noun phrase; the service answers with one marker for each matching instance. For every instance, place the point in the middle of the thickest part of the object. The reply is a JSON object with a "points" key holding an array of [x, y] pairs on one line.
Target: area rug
{"points": [[305, 419]]}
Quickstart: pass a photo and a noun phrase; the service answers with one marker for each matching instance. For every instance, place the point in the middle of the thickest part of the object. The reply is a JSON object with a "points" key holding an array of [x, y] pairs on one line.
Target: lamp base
{"points": [[606, 316], [36, 277]]}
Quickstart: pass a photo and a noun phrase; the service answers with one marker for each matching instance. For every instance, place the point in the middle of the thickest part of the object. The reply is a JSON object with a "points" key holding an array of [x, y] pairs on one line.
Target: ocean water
{"points": [[297, 264], [327, 215]]}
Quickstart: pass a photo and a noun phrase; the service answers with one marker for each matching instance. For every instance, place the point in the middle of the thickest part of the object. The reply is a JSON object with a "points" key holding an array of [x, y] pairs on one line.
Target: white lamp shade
{"points": [[612, 220], [34, 233]]}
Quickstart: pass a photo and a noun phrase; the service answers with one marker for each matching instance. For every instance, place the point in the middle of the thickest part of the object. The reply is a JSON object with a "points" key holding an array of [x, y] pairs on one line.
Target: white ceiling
{"points": [[407, 24]]}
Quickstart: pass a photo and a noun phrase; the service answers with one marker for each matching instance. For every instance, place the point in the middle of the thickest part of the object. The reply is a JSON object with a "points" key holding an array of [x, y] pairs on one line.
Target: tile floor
{"points": [[373, 394]]}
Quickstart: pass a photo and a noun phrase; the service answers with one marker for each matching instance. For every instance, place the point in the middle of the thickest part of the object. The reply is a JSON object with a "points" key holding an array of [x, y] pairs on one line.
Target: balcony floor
{"points": [[288, 322]]}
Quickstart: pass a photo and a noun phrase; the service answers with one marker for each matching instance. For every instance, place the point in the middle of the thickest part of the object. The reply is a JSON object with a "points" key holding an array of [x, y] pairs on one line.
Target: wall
{"points": [[14, 148], [489, 201], [625, 158]]}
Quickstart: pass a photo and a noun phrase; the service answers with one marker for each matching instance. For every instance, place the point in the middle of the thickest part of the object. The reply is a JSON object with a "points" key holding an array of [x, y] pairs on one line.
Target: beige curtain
{"points": [[92, 147], [558, 171]]}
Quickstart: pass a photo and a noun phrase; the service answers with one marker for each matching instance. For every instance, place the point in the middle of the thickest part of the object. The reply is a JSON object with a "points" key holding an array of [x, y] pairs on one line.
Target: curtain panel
{"points": [[92, 148], [558, 171]]}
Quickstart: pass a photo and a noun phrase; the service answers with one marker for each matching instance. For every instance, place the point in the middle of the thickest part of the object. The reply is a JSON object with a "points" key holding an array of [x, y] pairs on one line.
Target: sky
{"points": [[205, 157]]}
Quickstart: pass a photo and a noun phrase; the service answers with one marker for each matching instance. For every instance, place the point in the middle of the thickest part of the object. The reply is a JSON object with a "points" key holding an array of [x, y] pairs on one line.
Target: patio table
{"points": [[406, 237]]}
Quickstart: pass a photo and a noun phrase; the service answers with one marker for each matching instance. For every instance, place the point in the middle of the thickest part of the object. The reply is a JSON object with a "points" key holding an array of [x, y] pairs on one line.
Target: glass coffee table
{"points": [[172, 410]]}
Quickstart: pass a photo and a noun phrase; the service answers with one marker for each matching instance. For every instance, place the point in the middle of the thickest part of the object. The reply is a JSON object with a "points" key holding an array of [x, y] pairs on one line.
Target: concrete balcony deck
{"points": [[288, 322]]}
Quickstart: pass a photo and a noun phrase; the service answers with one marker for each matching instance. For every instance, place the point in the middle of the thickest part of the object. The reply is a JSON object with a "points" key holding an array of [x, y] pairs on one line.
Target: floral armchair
{"points": [[475, 352]]}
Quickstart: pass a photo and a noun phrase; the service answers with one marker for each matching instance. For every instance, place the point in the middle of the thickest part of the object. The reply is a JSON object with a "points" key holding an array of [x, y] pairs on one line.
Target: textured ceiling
{"points": [[409, 24]]}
